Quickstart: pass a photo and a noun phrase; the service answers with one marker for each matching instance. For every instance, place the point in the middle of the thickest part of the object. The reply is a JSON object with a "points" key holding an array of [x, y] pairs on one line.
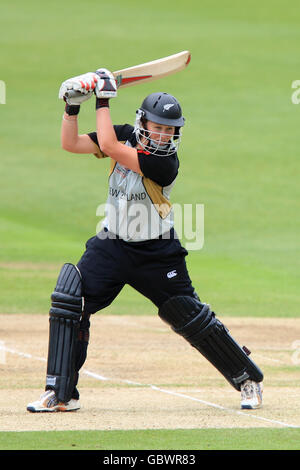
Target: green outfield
{"points": [[239, 158], [182, 439]]}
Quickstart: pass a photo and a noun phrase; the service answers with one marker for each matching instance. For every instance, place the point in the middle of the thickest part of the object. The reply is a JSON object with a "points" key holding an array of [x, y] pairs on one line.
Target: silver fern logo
{"points": [[168, 106]]}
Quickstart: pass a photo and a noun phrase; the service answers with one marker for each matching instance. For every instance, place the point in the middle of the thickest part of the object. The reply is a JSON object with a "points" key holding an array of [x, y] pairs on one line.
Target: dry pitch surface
{"points": [[141, 375]]}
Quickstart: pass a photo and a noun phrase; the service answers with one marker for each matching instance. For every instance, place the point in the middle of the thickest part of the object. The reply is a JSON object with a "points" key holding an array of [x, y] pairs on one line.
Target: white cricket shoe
{"points": [[49, 402], [251, 395]]}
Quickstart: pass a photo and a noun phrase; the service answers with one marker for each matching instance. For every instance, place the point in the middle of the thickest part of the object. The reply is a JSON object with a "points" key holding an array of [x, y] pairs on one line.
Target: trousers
{"points": [[155, 268]]}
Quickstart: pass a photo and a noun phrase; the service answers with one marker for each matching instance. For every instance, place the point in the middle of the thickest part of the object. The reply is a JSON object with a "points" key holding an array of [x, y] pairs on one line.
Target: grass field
{"points": [[239, 157], [192, 439]]}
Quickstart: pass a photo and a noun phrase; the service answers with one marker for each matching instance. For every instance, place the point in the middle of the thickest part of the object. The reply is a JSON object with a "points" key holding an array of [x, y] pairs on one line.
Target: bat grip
{"points": [[72, 94]]}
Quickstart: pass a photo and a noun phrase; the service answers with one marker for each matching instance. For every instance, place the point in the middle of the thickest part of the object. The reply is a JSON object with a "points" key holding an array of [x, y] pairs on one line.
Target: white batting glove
{"points": [[78, 89], [106, 86]]}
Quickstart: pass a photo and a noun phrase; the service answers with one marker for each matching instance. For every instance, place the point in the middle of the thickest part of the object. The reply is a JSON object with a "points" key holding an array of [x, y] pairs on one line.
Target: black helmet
{"points": [[162, 108]]}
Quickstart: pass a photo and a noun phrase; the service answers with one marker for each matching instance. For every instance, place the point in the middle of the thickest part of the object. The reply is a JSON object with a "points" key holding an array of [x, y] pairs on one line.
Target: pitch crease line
{"points": [[158, 389]]}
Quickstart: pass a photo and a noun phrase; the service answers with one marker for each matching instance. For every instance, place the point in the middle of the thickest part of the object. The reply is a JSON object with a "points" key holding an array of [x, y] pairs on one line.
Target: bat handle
{"points": [[72, 94]]}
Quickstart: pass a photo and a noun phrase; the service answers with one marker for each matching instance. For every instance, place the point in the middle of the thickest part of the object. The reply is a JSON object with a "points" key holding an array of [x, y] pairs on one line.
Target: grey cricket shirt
{"points": [[138, 206]]}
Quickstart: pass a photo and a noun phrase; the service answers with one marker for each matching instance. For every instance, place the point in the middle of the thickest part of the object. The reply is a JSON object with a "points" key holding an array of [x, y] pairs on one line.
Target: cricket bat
{"points": [[149, 71]]}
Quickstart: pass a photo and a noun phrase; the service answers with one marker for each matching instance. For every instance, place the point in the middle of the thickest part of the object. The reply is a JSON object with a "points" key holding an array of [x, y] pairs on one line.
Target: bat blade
{"points": [[153, 70], [148, 71]]}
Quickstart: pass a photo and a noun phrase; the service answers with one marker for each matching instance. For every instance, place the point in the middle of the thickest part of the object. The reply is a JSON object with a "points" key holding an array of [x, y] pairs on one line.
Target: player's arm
{"points": [[70, 140], [108, 142]]}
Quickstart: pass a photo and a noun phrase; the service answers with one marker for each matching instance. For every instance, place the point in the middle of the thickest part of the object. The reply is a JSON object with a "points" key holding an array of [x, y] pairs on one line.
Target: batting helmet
{"points": [[161, 108]]}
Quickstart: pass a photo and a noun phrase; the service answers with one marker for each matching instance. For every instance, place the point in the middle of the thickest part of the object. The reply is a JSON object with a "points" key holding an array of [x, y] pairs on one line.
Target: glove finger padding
{"points": [[83, 85]]}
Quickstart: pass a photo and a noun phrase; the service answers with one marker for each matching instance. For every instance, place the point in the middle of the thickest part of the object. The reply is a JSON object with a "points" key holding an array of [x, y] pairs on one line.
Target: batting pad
{"points": [[198, 325], [64, 321]]}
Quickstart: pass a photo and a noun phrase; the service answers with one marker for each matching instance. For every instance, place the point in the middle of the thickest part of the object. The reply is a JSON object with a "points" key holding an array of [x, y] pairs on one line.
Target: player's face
{"points": [[160, 132]]}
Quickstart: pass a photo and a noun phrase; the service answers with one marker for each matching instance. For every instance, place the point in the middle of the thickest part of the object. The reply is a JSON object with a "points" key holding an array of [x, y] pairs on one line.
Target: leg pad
{"points": [[64, 323], [196, 322]]}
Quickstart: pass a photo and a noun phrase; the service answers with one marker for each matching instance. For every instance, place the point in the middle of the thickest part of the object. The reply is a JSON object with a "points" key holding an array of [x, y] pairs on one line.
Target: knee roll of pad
{"points": [[66, 298], [64, 322], [199, 326]]}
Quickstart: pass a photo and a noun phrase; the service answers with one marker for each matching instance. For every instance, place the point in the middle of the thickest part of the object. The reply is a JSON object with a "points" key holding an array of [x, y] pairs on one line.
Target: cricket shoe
{"points": [[49, 402], [251, 395]]}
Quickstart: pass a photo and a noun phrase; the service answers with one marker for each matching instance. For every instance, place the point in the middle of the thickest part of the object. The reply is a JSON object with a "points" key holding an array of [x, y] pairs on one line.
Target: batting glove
{"points": [[106, 86], [76, 90]]}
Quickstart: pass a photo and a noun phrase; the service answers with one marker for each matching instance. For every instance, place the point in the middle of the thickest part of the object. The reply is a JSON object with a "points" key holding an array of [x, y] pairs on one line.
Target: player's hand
{"points": [[76, 90], [106, 86]]}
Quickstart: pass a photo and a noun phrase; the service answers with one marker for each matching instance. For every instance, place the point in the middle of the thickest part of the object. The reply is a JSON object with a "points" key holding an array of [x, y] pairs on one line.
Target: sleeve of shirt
{"points": [[94, 138], [123, 132], [161, 170]]}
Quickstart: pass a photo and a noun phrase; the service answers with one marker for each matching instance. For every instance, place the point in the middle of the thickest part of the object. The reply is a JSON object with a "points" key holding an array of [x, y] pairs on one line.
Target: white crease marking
{"points": [[158, 389]]}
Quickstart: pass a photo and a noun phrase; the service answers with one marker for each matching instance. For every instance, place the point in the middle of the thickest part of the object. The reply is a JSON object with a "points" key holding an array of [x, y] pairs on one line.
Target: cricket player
{"points": [[136, 246]]}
